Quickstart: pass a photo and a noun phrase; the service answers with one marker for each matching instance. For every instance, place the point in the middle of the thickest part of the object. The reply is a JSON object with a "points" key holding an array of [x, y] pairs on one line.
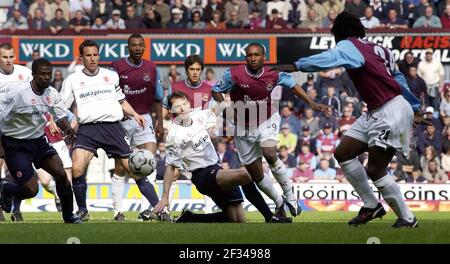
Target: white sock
{"points": [[117, 189], [266, 186], [172, 190], [280, 173], [208, 204], [51, 188], [357, 176], [393, 196]]}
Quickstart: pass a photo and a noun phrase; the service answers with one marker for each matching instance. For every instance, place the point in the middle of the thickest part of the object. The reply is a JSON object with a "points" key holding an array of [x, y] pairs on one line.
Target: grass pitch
{"points": [[308, 228]]}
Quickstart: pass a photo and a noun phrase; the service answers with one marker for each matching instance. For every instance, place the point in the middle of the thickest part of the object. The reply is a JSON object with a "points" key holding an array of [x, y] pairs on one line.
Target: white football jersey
{"points": [[20, 74], [22, 111], [190, 147], [97, 97]]}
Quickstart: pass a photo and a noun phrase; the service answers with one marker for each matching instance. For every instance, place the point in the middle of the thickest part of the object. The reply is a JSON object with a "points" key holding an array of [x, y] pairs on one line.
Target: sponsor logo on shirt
{"points": [[244, 85], [94, 93], [128, 91]]}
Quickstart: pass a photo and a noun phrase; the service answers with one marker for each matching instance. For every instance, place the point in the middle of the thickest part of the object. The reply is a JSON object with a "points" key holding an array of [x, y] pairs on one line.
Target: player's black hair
{"points": [[38, 63], [176, 95], [190, 60], [347, 25], [134, 35], [258, 45], [87, 43], [6, 46]]}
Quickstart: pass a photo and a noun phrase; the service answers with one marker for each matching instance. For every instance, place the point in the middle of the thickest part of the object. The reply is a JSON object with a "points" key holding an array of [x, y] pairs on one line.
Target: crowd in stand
{"points": [[56, 15]]}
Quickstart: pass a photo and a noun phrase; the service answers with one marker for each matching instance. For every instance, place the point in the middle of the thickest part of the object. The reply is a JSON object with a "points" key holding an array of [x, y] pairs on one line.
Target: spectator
{"points": [[402, 8], [327, 141], [320, 12], [58, 23], [179, 4], [274, 21], [16, 22], [133, 21], [121, 6], [259, 5], [57, 80], [213, 6], [328, 21], [161, 161], [434, 174], [346, 121], [84, 6], [445, 160], [298, 13], [393, 21], [410, 164], [430, 137], [336, 5], [177, 19], [216, 22], [98, 24], [210, 77], [283, 8], [379, 9], [164, 10], [429, 155], [356, 7], [332, 101], [394, 170], [64, 6], [287, 158], [310, 83], [239, 7], [428, 20], [302, 173], [288, 117], [446, 140], [102, 9], [75, 65], [152, 19], [417, 85], [79, 22], [140, 8], [329, 120], [432, 72], [324, 172], [287, 138], [421, 8], [46, 9], [305, 138], [444, 108], [115, 22], [307, 156], [408, 61], [192, 3], [222, 152], [38, 22], [330, 77], [172, 76], [34, 56], [369, 20], [310, 121], [19, 5], [312, 22], [196, 22], [199, 7], [234, 21], [445, 17], [256, 21]]}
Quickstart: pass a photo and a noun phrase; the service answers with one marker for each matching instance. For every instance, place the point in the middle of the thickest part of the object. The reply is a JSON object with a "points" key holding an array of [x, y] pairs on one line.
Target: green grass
{"points": [[310, 227]]}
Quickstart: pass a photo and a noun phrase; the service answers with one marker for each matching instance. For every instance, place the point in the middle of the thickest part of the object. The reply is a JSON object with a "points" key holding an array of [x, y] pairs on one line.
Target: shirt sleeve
{"points": [[345, 54], [59, 109], [173, 153], [159, 94], [286, 80], [67, 93], [412, 100], [225, 84], [120, 96]]}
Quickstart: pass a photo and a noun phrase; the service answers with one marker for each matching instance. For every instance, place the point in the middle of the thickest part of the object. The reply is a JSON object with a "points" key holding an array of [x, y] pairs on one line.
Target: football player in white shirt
{"points": [[23, 107], [189, 146], [100, 106]]}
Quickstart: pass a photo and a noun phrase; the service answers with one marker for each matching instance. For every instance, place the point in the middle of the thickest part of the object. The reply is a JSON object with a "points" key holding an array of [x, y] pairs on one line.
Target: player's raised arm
{"points": [[224, 85]]}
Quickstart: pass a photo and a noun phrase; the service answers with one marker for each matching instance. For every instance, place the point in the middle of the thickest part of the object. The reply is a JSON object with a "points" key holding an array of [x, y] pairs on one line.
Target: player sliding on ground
{"points": [[189, 146], [383, 130]]}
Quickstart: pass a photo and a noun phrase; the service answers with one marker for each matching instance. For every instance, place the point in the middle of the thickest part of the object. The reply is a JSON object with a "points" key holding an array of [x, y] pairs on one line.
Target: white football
{"points": [[142, 163]]}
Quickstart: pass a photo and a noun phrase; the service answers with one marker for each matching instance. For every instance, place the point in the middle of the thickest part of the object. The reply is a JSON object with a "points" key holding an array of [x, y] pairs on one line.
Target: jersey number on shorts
{"points": [[384, 135]]}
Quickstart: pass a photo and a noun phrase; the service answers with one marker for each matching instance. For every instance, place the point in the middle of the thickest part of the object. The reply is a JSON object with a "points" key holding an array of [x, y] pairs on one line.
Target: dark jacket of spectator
{"points": [[209, 11]]}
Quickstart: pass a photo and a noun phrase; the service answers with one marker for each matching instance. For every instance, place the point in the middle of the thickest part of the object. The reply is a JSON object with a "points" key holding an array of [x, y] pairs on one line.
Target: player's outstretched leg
{"points": [[346, 154], [49, 185], [118, 187], [80, 159], [379, 159]]}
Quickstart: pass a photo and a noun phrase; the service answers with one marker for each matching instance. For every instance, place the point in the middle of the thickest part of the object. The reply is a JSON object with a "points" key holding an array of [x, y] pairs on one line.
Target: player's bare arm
{"points": [[169, 176], [128, 110], [314, 106], [69, 132], [285, 68], [159, 129]]}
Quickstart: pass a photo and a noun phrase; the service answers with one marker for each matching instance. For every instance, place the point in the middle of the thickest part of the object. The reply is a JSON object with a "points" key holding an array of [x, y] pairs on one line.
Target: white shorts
{"points": [[249, 146], [138, 135], [63, 153], [390, 125]]}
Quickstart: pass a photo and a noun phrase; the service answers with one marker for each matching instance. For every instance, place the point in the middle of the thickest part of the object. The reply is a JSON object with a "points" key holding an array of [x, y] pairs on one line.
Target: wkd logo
{"points": [[53, 50], [175, 50], [234, 49], [111, 50]]}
